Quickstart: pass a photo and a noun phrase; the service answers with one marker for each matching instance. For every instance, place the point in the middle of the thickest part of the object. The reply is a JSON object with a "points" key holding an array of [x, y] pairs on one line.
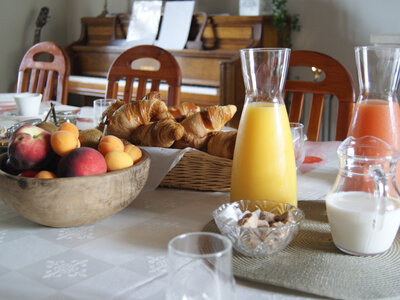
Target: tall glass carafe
{"points": [[263, 162], [377, 111]]}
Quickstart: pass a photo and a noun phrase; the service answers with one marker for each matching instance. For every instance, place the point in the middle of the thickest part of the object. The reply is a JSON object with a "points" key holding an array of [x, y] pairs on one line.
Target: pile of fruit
{"points": [[66, 152]]}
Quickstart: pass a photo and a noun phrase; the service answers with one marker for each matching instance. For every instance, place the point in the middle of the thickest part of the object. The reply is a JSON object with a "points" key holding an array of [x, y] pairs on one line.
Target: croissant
{"points": [[198, 125], [131, 115], [107, 114], [222, 143], [162, 133], [183, 110]]}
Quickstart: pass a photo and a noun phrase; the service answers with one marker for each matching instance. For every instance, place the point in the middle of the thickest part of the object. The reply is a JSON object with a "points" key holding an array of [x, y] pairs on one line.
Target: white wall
{"points": [[335, 27], [17, 27], [330, 26]]}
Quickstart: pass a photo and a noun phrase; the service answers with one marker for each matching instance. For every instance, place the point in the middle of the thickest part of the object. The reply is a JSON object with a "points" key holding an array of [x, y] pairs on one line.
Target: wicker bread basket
{"points": [[200, 171]]}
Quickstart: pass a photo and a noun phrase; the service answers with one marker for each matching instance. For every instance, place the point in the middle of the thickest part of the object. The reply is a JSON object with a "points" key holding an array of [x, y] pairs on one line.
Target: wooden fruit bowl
{"points": [[73, 201]]}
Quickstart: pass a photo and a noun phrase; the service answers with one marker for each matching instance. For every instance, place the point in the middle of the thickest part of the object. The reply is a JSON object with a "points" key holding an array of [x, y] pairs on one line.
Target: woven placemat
{"points": [[311, 263]]}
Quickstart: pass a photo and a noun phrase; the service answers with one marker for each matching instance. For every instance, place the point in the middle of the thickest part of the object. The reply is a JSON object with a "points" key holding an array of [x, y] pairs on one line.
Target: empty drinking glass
{"points": [[298, 138], [99, 106], [200, 267]]}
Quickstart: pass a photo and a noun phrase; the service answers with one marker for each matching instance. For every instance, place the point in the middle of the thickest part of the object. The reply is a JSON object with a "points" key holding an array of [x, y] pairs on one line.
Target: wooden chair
{"points": [[337, 81], [48, 75], [145, 63]]}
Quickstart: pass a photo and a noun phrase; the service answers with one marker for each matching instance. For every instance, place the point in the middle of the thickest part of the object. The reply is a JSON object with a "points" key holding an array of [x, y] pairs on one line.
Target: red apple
{"points": [[28, 173], [30, 148], [82, 161]]}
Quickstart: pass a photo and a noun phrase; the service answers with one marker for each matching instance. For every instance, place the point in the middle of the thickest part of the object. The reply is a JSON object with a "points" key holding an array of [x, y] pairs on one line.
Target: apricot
{"points": [[45, 175], [63, 142], [134, 152], [118, 160], [69, 127], [110, 143], [82, 161]]}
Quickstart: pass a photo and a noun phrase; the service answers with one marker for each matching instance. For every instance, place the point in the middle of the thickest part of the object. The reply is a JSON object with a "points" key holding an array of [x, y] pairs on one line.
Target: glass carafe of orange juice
{"points": [[377, 111], [263, 165]]}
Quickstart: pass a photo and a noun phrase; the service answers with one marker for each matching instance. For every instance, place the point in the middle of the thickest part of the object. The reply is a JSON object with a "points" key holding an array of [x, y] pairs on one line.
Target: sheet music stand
{"points": [[199, 22]]}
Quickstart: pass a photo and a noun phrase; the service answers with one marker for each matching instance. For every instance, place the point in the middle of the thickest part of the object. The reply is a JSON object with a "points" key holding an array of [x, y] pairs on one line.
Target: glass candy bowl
{"points": [[263, 239]]}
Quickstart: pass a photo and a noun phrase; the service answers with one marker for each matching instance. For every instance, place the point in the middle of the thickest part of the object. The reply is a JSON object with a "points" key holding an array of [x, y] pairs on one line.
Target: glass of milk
{"points": [[363, 206]]}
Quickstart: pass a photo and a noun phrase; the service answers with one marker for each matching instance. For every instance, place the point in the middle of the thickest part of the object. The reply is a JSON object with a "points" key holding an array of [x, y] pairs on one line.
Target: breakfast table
{"points": [[125, 256]]}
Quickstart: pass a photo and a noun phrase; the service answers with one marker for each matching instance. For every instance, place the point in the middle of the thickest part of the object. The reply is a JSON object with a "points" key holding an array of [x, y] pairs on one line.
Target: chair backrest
{"points": [[338, 82], [45, 69], [145, 63]]}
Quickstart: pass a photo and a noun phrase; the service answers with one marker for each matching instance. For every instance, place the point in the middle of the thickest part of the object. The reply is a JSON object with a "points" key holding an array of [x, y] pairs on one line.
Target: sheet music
{"points": [[145, 19], [175, 25]]}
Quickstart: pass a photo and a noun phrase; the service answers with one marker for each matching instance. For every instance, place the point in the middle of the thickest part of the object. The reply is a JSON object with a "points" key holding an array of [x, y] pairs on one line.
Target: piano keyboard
{"points": [[96, 87]]}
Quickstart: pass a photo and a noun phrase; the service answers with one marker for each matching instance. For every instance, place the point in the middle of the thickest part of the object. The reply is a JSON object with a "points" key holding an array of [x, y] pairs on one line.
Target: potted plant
{"points": [[283, 22]]}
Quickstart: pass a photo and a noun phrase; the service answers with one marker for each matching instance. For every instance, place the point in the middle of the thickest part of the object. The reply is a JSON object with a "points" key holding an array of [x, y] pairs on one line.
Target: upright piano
{"points": [[211, 75]]}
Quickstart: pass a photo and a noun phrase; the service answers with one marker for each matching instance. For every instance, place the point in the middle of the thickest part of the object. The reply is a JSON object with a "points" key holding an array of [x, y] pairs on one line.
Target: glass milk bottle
{"points": [[264, 163], [377, 111]]}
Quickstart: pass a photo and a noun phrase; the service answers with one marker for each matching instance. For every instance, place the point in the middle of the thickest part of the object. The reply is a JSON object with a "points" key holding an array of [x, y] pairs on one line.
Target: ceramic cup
{"points": [[28, 104]]}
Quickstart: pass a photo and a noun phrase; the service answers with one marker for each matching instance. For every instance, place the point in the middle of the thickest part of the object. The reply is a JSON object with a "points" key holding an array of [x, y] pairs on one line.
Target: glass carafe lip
{"points": [[393, 154], [378, 71], [266, 49], [264, 72], [375, 47]]}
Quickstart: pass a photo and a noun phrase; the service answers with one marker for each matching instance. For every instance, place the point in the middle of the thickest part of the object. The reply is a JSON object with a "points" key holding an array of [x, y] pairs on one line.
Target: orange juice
{"points": [[264, 163], [380, 119]]}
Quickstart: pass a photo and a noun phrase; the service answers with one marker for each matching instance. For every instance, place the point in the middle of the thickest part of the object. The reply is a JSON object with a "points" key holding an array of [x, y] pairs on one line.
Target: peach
{"points": [[63, 142], [70, 127], [45, 175], [30, 148], [118, 160], [82, 161], [110, 143], [134, 152]]}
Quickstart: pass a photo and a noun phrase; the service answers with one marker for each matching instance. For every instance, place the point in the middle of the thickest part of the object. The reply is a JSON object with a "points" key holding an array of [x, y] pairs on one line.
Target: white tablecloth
{"points": [[125, 256]]}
